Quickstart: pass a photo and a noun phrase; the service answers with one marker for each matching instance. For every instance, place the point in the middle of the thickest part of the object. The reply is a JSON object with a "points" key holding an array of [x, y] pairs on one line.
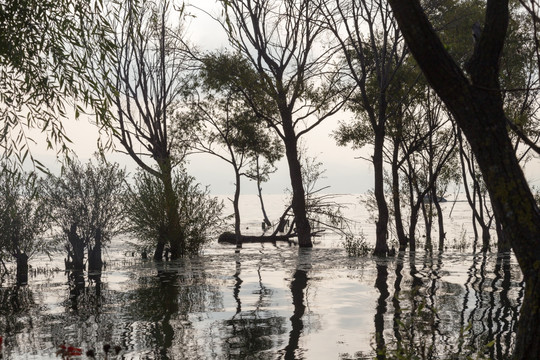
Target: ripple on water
{"points": [[265, 302]]}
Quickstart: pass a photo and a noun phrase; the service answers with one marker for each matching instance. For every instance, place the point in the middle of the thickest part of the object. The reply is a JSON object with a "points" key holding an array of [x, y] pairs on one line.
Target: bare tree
{"points": [[282, 40], [148, 79]]}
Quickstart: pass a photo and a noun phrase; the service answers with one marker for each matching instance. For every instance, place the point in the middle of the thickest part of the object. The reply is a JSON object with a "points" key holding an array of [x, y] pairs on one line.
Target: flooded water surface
{"points": [[269, 302]]}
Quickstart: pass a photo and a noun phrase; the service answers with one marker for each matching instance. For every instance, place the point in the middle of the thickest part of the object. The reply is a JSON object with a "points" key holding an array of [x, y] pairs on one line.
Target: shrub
{"points": [[356, 245], [199, 213], [24, 218]]}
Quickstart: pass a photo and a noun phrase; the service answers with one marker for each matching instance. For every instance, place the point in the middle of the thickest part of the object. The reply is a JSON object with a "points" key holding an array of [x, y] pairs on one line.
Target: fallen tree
{"points": [[230, 238]]}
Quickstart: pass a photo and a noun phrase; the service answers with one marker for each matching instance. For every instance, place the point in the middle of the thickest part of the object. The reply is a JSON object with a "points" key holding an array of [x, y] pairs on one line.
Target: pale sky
{"points": [[345, 172]]}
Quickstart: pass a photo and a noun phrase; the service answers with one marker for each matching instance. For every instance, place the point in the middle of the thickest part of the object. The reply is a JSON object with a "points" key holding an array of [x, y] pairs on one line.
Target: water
{"points": [[270, 302]]}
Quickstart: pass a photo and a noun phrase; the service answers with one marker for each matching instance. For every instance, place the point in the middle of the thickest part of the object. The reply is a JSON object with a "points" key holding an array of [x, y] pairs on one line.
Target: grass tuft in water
{"points": [[356, 246]]}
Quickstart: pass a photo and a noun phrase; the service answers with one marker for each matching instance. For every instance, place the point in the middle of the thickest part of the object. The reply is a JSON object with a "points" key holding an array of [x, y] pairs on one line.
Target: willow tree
{"points": [[474, 97], [87, 209], [282, 41], [24, 218], [45, 68], [147, 75]]}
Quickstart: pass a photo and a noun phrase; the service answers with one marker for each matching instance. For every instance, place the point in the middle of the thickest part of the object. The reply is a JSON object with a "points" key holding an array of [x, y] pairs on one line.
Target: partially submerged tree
{"points": [[199, 214], [474, 97], [431, 165], [373, 51], [87, 208], [477, 195], [229, 129], [279, 39], [24, 218], [148, 78]]}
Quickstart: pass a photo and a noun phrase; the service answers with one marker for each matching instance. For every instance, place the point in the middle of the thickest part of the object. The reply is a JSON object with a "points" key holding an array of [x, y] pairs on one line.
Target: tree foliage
{"points": [[199, 214], [24, 218], [87, 206], [45, 68]]}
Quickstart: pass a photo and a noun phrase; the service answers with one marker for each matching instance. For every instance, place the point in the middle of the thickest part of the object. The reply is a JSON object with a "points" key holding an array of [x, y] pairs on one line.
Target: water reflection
{"points": [[440, 317], [274, 303], [381, 283], [16, 305], [156, 313], [252, 331], [298, 285]]}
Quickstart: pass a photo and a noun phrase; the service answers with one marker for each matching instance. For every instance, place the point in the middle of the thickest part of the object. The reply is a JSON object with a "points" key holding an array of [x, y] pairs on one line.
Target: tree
{"points": [[147, 75], [45, 48], [476, 193], [199, 214], [372, 62], [86, 203], [475, 100], [24, 218], [229, 129], [279, 40], [431, 165]]}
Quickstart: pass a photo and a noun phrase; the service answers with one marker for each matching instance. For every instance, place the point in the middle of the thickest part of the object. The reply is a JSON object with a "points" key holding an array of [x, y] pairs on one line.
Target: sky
{"points": [[346, 170]]}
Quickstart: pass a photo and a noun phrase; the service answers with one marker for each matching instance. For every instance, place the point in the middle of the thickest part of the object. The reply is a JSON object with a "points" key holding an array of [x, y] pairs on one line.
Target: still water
{"points": [[269, 302]]}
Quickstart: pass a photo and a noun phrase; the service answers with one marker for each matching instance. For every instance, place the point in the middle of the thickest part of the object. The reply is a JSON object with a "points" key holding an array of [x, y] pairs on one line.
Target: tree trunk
{"points": [[477, 107], [303, 228], [428, 216], [22, 268], [95, 262], [75, 260], [160, 247], [502, 243], [174, 234], [527, 345], [440, 221], [381, 244], [415, 208], [259, 192], [237, 229], [400, 231]]}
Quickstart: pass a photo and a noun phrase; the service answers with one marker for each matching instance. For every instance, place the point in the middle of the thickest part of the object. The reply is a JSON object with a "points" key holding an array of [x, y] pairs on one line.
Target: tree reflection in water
{"points": [[273, 303], [381, 283], [17, 311], [298, 285], [424, 316], [251, 332], [156, 314]]}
